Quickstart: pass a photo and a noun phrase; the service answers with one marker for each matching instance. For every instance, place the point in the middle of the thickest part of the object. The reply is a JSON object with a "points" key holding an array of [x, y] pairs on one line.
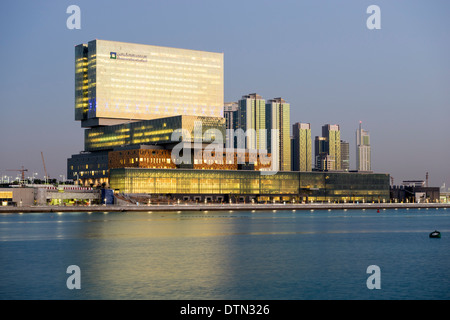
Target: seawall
{"points": [[222, 207]]}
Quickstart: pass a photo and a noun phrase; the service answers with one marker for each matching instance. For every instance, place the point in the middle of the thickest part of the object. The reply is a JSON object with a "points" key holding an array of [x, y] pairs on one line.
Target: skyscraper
{"points": [[328, 148], [301, 147], [252, 121], [345, 156], [278, 132], [230, 113], [322, 160], [116, 82], [363, 150]]}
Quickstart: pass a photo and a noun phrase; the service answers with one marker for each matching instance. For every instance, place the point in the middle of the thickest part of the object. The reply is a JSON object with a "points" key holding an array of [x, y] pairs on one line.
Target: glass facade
{"points": [[333, 135], [252, 120], [118, 80], [363, 157], [304, 186], [154, 131], [301, 147], [81, 82], [278, 119], [88, 168]]}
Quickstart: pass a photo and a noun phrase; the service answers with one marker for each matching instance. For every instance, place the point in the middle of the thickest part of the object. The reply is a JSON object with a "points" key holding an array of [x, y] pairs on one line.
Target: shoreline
{"points": [[222, 207]]}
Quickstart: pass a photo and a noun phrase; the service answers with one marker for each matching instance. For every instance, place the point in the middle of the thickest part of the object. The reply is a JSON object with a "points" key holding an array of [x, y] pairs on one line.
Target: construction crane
{"points": [[45, 170], [23, 173]]}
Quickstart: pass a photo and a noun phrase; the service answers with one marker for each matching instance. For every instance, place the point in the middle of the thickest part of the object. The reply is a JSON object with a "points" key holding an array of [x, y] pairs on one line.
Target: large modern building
{"points": [[301, 147], [252, 122], [363, 150], [328, 148], [278, 124], [117, 82], [345, 155], [157, 131], [230, 113], [128, 95], [154, 124], [248, 185], [333, 135]]}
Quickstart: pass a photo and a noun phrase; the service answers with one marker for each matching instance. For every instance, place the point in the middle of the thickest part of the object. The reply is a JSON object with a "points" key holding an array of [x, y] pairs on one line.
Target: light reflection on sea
{"points": [[225, 255]]}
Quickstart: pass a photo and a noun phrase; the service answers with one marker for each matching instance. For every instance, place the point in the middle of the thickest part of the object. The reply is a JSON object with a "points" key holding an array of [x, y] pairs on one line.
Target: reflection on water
{"points": [[225, 255]]}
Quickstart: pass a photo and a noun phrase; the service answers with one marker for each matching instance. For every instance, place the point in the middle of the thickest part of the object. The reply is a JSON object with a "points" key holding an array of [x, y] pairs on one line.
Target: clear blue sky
{"points": [[317, 55]]}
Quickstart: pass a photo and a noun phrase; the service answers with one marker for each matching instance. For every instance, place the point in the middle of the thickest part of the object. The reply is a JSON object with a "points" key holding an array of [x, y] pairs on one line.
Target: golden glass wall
{"points": [[278, 118], [309, 186], [81, 82], [136, 81], [152, 132]]}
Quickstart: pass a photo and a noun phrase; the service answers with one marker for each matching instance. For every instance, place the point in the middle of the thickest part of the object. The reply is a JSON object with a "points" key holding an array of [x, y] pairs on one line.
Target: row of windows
{"points": [[196, 181]]}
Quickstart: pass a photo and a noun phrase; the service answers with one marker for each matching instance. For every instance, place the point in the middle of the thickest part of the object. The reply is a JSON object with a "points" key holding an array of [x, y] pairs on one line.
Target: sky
{"points": [[320, 56]]}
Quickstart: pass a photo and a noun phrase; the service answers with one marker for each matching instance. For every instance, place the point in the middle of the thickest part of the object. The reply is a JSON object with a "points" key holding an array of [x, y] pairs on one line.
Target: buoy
{"points": [[435, 234], [378, 210]]}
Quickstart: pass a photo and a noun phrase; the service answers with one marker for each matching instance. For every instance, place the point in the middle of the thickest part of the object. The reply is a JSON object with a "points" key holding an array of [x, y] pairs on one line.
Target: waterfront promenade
{"points": [[222, 207]]}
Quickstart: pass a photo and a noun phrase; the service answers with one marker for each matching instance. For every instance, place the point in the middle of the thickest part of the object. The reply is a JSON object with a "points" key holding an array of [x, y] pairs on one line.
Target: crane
{"points": [[45, 170], [23, 173]]}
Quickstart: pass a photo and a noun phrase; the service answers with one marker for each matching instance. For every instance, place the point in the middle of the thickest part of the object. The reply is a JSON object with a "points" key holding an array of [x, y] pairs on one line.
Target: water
{"points": [[226, 255]]}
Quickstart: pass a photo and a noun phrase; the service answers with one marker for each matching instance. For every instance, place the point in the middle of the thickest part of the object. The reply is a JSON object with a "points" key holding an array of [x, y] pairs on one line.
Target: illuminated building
{"points": [[252, 121], [345, 156], [301, 147], [363, 157], [333, 135], [278, 125], [156, 131], [328, 148], [230, 112], [117, 82], [245, 185], [132, 99]]}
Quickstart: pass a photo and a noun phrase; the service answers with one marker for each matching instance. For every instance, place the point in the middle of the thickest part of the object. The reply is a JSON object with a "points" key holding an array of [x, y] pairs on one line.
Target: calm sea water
{"points": [[226, 255]]}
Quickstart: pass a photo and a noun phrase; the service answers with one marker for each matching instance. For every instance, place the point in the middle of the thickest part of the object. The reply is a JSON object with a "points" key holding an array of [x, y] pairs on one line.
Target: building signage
{"points": [[128, 56]]}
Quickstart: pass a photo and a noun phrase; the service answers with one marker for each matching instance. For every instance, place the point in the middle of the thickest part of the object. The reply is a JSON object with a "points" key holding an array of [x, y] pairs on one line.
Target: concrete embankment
{"points": [[222, 207]]}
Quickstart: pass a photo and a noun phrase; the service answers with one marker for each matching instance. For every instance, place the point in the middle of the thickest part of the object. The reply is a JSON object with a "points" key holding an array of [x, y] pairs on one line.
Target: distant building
{"points": [[363, 156], [278, 132], [252, 121], [412, 192], [301, 147], [320, 151], [327, 154], [345, 156], [230, 113], [414, 183], [333, 134]]}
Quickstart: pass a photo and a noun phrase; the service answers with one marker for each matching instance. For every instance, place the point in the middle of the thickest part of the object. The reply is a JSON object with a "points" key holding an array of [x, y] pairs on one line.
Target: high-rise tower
{"points": [[117, 82], [278, 131], [345, 156], [252, 121], [301, 147], [330, 145], [363, 150]]}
